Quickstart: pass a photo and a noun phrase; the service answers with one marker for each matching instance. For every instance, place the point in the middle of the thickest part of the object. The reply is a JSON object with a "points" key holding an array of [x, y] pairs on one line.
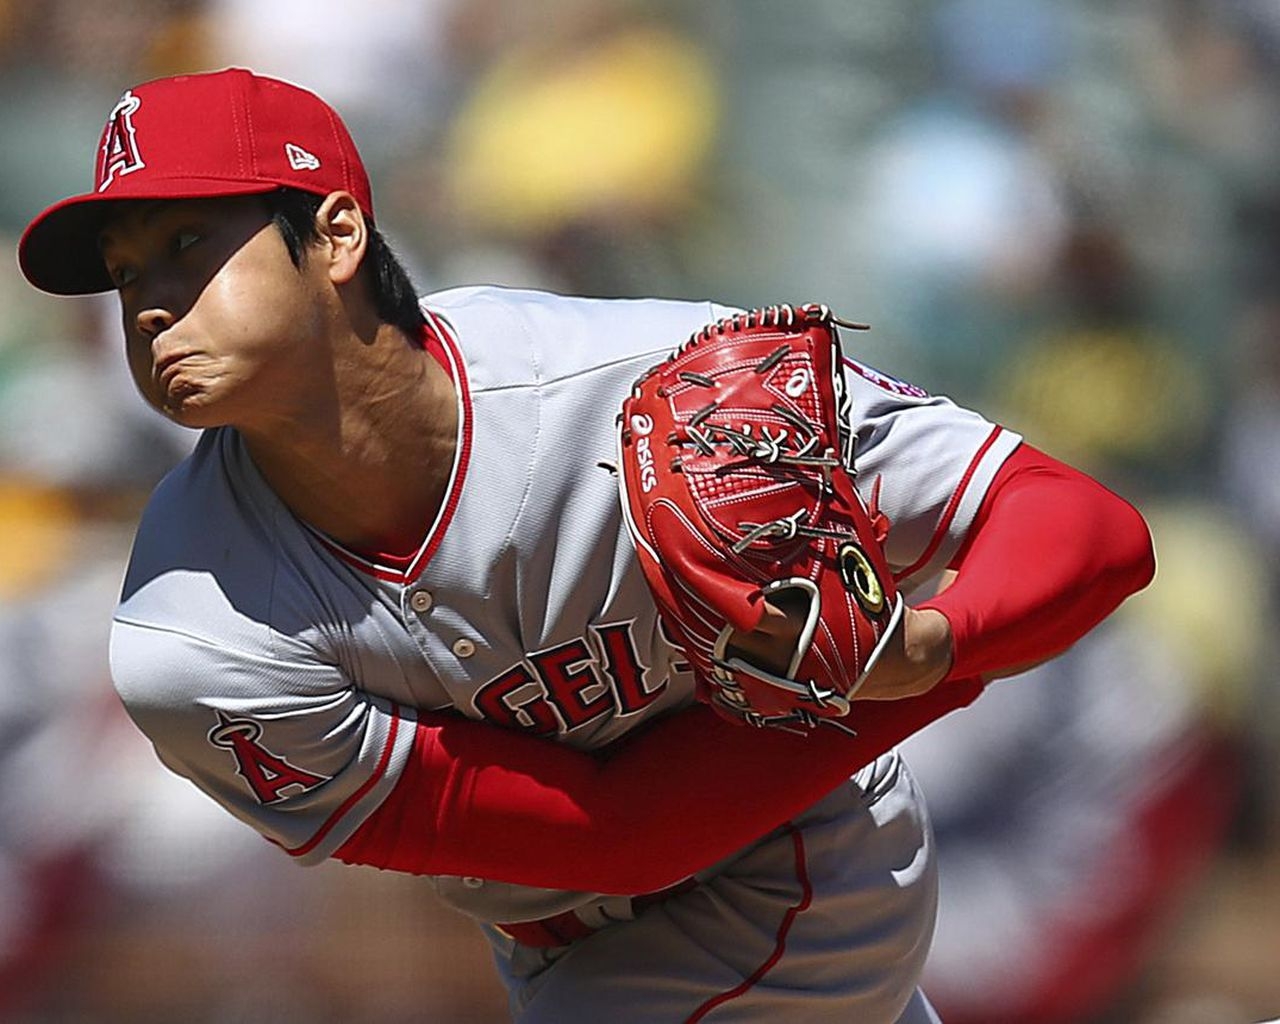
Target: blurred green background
{"points": [[1065, 214]]}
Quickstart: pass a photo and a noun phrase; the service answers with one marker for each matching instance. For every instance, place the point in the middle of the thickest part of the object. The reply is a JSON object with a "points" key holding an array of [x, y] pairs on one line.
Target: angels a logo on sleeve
{"points": [[119, 154], [268, 774], [884, 381]]}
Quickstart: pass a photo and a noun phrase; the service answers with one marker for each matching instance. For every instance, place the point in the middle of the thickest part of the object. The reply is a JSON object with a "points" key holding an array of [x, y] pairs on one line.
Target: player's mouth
{"points": [[168, 366]]}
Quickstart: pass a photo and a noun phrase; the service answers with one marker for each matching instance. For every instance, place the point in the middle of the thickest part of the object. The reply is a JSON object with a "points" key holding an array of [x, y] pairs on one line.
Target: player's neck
{"points": [[367, 458]]}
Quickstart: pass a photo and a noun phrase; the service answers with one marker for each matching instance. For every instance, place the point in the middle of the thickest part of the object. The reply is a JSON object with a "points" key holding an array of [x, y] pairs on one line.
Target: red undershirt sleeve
{"points": [[668, 800], [1050, 554]]}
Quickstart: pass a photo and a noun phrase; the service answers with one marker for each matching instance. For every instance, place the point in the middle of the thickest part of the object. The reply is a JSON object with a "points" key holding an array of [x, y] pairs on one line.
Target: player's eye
{"points": [[122, 275], [185, 240]]}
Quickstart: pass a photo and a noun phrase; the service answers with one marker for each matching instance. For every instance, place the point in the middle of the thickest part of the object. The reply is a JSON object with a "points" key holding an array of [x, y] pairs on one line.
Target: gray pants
{"points": [[827, 919]]}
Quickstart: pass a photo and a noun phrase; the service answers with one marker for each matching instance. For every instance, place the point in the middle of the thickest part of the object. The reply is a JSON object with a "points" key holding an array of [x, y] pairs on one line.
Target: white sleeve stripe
{"points": [[374, 778], [948, 514]]}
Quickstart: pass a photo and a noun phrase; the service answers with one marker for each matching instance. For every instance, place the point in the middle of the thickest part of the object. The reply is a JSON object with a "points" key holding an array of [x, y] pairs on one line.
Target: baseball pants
{"points": [[826, 919]]}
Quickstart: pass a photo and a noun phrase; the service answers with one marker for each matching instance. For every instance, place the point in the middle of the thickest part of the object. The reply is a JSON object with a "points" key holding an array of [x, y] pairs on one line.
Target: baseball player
{"points": [[389, 611]]}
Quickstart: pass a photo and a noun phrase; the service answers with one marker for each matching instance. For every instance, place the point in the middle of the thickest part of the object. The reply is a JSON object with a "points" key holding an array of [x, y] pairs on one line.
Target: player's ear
{"points": [[343, 236]]}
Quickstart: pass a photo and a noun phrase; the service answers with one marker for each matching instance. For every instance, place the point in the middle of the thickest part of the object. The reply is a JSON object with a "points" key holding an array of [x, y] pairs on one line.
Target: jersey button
{"points": [[420, 601], [464, 648]]}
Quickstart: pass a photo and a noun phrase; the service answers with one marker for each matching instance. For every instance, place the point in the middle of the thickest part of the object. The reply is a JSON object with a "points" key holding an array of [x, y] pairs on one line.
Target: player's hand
{"points": [[916, 659]]}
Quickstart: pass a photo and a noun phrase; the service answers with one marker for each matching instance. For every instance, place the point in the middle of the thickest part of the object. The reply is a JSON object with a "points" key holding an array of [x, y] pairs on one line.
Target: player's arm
{"points": [[477, 800], [1049, 555], [289, 745]]}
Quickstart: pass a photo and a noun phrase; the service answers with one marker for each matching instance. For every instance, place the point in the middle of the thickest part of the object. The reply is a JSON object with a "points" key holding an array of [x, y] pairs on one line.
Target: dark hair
{"points": [[396, 300]]}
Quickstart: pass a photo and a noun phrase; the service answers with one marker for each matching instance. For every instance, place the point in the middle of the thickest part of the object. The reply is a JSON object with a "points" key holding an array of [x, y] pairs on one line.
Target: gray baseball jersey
{"points": [[281, 673]]}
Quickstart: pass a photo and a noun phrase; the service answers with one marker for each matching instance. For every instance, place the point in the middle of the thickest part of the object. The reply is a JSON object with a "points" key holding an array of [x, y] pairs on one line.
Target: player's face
{"points": [[215, 313]]}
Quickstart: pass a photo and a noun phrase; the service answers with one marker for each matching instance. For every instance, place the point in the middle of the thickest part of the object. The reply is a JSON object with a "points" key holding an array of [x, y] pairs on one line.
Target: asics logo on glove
{"points": [[796, 383], [642, 427]]}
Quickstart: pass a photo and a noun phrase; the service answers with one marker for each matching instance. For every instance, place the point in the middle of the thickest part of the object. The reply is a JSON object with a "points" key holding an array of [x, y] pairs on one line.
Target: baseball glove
{"points": [[736, 473]]}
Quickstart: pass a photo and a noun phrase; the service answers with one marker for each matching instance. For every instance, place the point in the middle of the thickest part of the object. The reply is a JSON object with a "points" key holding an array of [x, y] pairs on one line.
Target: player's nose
{"points": [[152, 320]]}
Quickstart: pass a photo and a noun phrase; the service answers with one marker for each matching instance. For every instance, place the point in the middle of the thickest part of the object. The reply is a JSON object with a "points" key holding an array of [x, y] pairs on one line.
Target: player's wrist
{"points": [[917, 658], [927, 645]]}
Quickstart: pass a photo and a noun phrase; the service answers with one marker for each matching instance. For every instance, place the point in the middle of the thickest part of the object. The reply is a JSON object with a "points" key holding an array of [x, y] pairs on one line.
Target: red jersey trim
{"points": [[780, 941], [440, 341], [379, 771], [949, 513]]}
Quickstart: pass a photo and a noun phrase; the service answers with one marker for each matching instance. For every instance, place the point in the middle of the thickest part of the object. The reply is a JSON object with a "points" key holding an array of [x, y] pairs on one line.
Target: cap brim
{"points": [[58, 253]]}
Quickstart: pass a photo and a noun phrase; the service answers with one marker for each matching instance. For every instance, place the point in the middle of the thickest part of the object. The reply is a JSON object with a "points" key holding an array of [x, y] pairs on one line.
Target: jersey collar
{"points": [[440, 340]]}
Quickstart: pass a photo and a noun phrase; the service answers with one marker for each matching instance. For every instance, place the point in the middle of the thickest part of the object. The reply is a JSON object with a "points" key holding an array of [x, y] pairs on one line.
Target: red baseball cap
{"points": [[223, 133]]}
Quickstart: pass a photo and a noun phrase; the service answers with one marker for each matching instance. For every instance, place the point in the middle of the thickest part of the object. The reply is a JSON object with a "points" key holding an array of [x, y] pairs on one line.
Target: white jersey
{"points": [[282, 674]]}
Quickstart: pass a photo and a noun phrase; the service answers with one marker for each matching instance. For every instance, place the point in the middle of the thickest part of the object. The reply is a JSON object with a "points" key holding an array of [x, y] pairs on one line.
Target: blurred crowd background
{"points": [[1064, 213]]}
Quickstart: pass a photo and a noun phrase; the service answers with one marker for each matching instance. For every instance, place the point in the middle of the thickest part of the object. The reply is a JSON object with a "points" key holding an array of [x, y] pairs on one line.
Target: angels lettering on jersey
{"points": [[564, 687]]}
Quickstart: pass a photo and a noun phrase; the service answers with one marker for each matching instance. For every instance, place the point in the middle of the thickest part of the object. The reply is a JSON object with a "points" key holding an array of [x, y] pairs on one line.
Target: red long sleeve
{"points": [[679, 795], [1050, 555]]}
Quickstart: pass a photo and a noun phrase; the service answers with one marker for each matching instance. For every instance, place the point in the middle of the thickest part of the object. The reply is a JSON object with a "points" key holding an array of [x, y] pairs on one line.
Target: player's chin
{"points": [[190, 406]]}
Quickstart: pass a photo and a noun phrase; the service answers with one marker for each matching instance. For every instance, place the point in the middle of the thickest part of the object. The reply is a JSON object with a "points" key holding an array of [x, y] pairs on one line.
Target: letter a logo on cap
{"points": [[119, 147], [300, 159]]}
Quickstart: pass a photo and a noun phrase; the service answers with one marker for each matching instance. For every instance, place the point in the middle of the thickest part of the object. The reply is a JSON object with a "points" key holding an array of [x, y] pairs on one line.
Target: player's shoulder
{"points": [[506, 333], [204, 543], [864, 376], [204, 502], [537, 303]]}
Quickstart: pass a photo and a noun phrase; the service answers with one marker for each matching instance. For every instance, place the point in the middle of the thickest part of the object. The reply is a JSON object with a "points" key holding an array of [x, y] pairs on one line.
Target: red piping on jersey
{"points": [[357, 796], [439, 341], [950, 511], [780, 942]]}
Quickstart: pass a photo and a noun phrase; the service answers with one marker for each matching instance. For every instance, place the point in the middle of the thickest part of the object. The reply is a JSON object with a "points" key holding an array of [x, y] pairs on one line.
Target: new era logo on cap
{"points": [[300, 159]]}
